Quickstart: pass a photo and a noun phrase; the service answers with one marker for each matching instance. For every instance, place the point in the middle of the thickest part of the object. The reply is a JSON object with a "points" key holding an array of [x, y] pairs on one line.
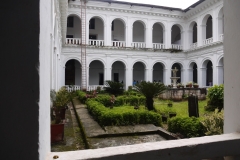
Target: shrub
{"points": [[121, 116], [130, 100], [186, 126], [114, 88], [213, 123], [215, 95], [82, 96], [104, 99]]}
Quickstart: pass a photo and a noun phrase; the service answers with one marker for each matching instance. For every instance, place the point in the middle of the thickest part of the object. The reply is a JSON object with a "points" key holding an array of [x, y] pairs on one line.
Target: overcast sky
{"points": [[169, 3]]}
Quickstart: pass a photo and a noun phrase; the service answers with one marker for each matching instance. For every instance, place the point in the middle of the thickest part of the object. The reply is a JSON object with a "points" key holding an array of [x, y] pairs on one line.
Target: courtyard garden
{"points": [[141, 105]]}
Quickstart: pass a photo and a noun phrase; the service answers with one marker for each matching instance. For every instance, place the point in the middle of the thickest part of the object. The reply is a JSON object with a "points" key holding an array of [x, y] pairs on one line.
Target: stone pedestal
{"points": [[174, 79]]}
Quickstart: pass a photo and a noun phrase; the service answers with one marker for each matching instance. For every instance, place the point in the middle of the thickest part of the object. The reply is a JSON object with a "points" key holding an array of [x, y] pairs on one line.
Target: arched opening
{"points": [[138, 72], [220, 71], [157, 36], [193, 72], [194, 39], [158, 72], [209, 76], [118, 72], [207, 31], [178, 74], [176, 34], [193, 35], [138, 35], [220, 24], [96, 31], [74, 30], [96, 73], [118, 33], [73, 72]]}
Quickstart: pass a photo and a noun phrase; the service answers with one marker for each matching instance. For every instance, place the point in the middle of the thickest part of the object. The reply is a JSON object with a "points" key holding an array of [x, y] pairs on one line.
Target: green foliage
{"points": [[82, 96], [214, 123], [62, 98], [104, 99], [125, 115], [114, 88], [215, 95], [150, 90], [186, 126], [130, 100]]}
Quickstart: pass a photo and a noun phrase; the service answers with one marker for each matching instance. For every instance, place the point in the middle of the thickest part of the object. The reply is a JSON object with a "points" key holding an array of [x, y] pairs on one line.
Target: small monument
{"points": [[174, 78]]}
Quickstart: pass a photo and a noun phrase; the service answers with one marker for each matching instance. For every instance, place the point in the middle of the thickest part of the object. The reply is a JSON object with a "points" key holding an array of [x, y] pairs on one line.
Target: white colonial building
{"points": [[122, 41]]}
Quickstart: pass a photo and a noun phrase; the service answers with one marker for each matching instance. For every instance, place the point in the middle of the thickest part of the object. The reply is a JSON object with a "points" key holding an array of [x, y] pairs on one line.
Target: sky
{"points": [[183, 4]]}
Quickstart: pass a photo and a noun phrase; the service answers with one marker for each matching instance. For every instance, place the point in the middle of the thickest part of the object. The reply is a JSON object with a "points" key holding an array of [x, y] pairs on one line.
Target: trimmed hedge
{"points": [[121, 116], [81, 96], [187, 126], [130, 100]]}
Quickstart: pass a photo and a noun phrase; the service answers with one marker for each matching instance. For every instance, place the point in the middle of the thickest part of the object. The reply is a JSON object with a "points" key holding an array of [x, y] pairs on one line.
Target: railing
{"points": [[118, 44], [207, 41], [93, 42], [193, 45], [221, 37], [94, 87], [177, 46], [71, 88], [194, 148], [158, 46], [139, 45], [73, 41]]}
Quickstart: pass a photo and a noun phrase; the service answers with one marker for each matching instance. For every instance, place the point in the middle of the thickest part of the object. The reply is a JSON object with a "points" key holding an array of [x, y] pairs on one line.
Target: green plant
{"points": [[215, 95], [213, 123], [114, 88], [82, 96], [150, 90], [124, 115], [186, 126]]}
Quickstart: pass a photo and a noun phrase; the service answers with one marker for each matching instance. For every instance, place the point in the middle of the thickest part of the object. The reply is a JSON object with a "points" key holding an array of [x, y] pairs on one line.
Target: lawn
{"points": [[181, 108]]}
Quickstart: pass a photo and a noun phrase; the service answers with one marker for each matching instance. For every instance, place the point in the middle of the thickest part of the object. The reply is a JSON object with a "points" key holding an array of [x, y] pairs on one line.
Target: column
{"points": [[214, 75], [129, 77], [167, 74], [129, 29], [201, 34], [87, 32], [190, 75], [220, 74], [190, 39], [107, 74], [87, 78], [148, 37], [183, 40], [168, 38], [202, 80], [215, 28], [183, 75]]}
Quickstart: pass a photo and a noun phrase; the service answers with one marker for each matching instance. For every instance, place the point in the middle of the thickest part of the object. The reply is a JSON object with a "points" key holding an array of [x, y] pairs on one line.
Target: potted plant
{"points": [[60, 100], [195, 85], [179, 85], [189, 84]]}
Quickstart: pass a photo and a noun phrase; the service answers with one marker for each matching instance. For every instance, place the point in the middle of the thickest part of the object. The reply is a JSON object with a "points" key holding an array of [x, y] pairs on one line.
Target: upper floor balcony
{"points": [[141, 34]]}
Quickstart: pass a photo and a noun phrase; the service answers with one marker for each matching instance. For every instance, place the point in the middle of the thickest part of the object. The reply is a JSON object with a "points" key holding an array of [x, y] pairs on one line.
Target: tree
{"points": [[150, 90], [114, 88]]}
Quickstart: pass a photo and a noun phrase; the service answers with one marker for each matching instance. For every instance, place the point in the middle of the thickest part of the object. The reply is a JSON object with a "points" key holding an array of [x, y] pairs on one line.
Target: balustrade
{"points": [[158, 46], [207, 41], [71, 88], [73, 41], [118, 44], [193, 45], [177, 46], [139, 45], [93, 42], [94, 87]]}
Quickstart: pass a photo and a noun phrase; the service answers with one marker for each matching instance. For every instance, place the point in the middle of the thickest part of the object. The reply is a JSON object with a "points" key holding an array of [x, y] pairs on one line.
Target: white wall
{"points": [[44, 76], [231, 66]]}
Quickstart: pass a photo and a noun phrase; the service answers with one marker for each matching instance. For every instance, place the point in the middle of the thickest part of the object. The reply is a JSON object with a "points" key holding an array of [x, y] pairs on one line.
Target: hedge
{"points": [[121, 116], [186, 126]]}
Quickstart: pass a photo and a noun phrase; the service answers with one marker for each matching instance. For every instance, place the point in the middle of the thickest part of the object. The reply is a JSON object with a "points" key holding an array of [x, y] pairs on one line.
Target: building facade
{"points": [[129, 41]]}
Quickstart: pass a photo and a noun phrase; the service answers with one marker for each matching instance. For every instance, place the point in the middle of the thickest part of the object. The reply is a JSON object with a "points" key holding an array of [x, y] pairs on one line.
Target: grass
{"points": [[181, 108]]}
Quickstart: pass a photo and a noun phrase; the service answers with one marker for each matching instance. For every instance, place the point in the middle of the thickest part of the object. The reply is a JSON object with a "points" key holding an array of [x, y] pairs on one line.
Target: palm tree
{"points": [[150, 90]]}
